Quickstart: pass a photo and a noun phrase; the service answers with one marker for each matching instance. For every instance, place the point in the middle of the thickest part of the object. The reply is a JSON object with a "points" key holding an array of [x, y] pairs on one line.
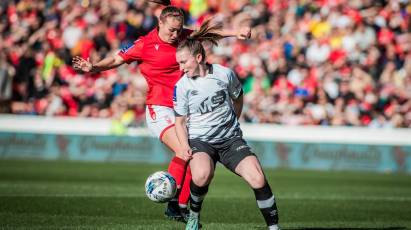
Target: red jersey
{"points": [[158, 64]]}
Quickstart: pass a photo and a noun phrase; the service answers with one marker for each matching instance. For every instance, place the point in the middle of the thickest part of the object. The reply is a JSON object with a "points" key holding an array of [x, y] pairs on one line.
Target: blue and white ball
{"points": [[161, 187]]}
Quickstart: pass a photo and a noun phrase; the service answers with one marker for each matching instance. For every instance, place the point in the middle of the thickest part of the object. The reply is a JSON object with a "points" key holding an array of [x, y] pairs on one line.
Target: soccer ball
{"points": [[161, 187]]}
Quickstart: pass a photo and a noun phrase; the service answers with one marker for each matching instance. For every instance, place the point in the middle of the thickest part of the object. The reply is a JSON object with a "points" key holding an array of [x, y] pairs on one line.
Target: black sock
{"points": [[197, 195], [173, 204], [266, 204]]}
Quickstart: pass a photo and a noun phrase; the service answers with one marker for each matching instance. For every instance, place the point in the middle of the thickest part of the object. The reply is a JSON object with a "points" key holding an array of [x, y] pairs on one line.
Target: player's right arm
{"points": [[126, 55], [180, 112], [181, 131], [110, 62]]}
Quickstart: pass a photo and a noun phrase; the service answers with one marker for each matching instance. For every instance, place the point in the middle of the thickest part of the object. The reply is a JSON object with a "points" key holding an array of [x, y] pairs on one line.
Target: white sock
{"points": [[194, 214]]}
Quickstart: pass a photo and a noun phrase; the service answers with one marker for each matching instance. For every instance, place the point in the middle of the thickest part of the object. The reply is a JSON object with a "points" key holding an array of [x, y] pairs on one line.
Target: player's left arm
{"points": [[181, 131], [242, 33], [241, 27], [235, 91], [238, 105], [182, 135], [181, 112]]}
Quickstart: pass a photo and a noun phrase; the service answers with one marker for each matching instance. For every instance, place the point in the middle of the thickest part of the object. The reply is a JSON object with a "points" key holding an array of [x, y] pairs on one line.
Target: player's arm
{"points": [[236, 92], [241, 27], [242, 33], [110, 62], [126, 55], [238, 105], [181, 131], [180, 112]]}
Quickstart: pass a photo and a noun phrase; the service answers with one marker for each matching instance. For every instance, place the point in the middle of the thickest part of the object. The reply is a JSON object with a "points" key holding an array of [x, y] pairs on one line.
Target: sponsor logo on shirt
{"points": [[156, 46], [210, 104]]}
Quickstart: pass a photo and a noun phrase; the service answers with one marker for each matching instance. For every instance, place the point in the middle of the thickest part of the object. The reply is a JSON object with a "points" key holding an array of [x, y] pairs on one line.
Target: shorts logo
{"points": [[241, 147], [168, 120], [152, 112]]}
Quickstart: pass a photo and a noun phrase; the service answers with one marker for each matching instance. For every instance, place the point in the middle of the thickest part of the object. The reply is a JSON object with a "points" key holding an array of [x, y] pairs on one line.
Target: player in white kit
{"points": [[208, 100]]}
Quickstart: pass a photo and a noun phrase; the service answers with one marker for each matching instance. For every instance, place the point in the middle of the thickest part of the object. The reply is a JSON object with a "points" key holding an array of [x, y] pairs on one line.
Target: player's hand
{"points": [[244, 33], [186, 153], [82, 65]]}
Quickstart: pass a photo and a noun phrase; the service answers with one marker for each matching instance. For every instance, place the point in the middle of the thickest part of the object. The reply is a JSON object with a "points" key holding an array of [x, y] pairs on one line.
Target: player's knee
{"points": [[256, 180], [202, 178]]}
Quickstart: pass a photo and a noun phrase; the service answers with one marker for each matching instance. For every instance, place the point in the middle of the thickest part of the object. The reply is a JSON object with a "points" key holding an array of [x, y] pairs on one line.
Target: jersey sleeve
{"points": [[133, 52], [180, 100], [234, 85]]}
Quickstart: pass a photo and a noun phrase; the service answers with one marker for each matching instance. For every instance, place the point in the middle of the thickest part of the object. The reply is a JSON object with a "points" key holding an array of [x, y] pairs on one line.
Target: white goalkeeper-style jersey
{"points": [[206, 101]]}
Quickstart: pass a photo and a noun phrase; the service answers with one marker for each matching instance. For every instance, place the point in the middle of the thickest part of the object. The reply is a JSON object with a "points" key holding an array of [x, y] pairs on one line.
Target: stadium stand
{"points": [[330, 63]]}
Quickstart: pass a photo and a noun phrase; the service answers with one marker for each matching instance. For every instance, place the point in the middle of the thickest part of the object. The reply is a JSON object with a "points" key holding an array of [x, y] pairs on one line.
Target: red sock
{"points": [[185, 190], [177, 169]]}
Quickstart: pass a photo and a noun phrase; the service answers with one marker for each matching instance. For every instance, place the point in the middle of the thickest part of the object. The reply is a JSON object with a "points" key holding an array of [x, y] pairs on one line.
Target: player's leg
{"points": [[202, 165], [250, 169], [178, 168], [160, 121], [202, 173], [243, 162], [184, 196]]}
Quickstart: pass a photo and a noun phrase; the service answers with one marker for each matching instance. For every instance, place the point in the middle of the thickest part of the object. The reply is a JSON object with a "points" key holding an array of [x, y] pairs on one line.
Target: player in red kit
{"points": [[155, 54]]}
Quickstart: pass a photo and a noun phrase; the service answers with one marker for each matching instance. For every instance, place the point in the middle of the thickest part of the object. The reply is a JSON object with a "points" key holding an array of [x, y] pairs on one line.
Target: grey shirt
{"points": [[207, 103]]}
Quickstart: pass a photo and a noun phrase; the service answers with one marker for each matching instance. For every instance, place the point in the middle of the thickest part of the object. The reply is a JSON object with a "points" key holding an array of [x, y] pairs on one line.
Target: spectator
{"points": [[340, 63]]}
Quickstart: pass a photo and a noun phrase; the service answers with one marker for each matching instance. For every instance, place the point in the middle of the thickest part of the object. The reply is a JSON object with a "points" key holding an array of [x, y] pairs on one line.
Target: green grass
{"points": [[78, 195]]}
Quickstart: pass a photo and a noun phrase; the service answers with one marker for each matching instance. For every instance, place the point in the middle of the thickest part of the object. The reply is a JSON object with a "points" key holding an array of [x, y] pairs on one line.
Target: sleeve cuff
{"points": [[177, 114]]}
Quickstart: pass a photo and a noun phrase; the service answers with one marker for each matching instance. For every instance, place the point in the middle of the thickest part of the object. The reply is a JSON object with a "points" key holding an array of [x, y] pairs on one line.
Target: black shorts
{"points": [[228, 153]]}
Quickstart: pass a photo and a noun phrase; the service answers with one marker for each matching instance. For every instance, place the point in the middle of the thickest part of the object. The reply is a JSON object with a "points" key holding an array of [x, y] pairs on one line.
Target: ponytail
{"points": [[207, 32]]}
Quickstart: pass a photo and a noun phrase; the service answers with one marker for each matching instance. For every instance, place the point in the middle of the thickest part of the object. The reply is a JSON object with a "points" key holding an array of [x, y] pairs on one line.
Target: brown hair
{"points": [[207, 32], [172, 11]]}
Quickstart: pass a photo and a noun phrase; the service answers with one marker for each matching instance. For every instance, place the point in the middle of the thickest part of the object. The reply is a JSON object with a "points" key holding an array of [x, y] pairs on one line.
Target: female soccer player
{"points": [[208, 101], [155, 54]]}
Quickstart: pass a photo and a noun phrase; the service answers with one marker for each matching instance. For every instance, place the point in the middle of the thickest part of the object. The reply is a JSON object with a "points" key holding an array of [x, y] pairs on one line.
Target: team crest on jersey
{"points": [[194, 92]]}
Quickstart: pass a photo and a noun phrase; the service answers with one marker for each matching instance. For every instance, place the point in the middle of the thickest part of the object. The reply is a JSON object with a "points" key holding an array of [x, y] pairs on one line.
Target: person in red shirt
{"points": [[155, 54]]}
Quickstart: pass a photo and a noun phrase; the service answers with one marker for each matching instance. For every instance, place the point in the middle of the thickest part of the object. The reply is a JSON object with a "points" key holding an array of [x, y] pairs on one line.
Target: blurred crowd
{"points": [[325, 62]]}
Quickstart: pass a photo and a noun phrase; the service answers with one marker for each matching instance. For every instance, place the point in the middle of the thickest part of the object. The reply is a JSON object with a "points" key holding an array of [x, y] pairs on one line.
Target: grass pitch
{"points": [[79, 195]]}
